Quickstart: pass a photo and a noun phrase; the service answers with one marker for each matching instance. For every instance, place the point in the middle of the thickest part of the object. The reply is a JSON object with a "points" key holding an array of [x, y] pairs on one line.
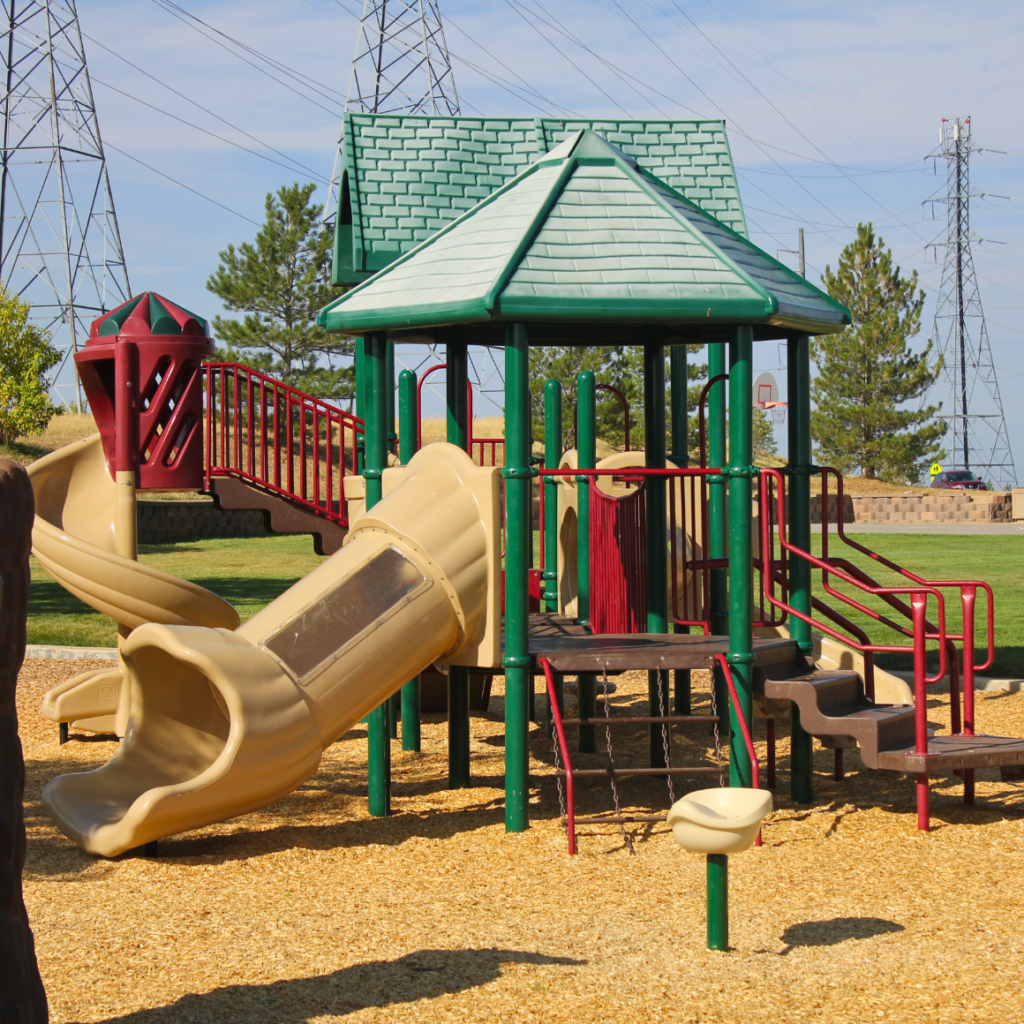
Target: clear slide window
{"points": [[323, 629]]}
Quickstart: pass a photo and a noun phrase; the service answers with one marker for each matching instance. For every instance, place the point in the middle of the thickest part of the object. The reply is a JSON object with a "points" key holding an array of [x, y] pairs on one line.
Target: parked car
{"points": [[958, 480]]}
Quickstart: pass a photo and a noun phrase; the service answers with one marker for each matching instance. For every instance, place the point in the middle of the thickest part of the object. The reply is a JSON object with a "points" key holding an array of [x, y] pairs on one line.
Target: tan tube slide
{"points": [[74, 538], [224, 722]]}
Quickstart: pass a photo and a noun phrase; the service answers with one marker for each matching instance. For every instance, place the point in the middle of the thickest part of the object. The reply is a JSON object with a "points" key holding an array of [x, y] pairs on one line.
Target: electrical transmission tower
{"points": [[60, 248], [400, 66], [968, 387]]}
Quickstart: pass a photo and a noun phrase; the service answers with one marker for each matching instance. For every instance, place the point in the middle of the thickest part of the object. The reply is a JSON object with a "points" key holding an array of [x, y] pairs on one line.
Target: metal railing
{"points": [[484, 451], [920, 631], [279, 439]]}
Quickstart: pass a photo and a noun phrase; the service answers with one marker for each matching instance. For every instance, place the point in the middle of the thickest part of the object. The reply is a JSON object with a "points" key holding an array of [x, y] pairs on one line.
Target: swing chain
{"points": [[558, 778], [718, 738], [626, 838], [666, 743]]}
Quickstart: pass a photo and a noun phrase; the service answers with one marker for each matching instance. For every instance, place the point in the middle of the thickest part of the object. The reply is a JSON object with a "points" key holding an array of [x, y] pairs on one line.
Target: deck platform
{"points": [[949, 753]]}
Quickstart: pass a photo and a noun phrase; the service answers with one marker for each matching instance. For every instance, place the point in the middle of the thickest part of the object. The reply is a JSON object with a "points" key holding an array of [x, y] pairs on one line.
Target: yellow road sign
{"points": [[936, 469]]}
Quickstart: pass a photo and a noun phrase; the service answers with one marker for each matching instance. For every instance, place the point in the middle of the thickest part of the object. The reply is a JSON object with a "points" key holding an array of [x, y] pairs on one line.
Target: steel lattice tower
{"points": [[60, 248], [968, 387], [400, 66]]}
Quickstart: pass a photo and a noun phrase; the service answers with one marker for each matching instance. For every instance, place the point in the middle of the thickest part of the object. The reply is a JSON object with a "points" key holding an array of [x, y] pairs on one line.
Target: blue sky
{"points": [[830, 108]]}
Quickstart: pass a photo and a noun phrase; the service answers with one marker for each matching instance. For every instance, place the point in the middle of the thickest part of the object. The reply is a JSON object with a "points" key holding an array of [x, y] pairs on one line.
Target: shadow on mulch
{"points": [[836, 930], [425, 974]]}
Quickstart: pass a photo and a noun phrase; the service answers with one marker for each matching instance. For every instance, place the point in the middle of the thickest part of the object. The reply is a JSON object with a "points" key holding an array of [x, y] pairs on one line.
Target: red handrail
{"points": [[242, 441], [484, 444]]}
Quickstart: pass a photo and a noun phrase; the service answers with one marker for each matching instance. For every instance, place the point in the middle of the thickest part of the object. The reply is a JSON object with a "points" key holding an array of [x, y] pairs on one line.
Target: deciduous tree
{"points": [[26, 357]]}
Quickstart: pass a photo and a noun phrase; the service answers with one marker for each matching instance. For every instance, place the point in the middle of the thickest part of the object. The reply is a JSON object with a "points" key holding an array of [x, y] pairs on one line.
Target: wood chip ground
{"points": [[311, 911]]}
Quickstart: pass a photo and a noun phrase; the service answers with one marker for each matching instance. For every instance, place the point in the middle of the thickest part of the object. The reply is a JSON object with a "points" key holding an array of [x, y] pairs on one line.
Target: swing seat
{"points": [[722, 820]]}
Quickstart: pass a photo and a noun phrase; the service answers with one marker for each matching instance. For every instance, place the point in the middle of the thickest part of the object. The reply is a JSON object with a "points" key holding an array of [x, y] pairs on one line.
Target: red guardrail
{"points": [[482, 450], [279, 439]]}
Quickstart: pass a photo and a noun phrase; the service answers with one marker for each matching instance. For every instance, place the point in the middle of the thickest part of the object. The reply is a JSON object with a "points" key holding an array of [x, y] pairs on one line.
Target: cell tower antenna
{"points": [[968, 387], [60, 247], [401, 66]]}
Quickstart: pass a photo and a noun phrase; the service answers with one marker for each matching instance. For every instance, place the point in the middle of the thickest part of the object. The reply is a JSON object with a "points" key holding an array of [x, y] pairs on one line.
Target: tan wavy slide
{"points": [[226, 721], [75, 540]]}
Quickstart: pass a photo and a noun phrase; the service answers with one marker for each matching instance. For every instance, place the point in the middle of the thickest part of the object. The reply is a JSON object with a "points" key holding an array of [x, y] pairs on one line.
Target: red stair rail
{"points": [[279, 439]]}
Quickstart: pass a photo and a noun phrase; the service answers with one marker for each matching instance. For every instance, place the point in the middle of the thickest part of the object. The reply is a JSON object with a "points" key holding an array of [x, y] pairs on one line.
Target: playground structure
{"points": [[520, 268]]}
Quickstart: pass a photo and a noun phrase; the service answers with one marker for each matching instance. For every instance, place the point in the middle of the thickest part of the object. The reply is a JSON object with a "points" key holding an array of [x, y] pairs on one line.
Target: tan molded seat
{"points": [[722, 820]]}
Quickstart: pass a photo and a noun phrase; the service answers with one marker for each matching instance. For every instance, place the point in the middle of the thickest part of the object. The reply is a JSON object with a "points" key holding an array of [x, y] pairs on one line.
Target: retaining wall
{"points": [[936, 507], [162, 521]]}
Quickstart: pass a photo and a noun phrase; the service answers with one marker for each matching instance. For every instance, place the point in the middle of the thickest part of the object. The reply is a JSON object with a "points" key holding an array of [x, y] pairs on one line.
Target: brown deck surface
{"points": [[946, 753], [555, 625], [617, 652]]}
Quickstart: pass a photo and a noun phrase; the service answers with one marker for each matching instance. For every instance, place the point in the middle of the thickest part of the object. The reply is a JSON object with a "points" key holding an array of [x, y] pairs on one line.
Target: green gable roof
{"points": [[585, 235], [404, 177]]}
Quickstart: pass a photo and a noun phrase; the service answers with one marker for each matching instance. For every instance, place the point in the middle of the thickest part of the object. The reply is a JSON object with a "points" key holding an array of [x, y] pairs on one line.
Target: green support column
{"points": [[375, 413], [406, 450], [741, 581], [657, 533], [586, 430], [552, 456], [395, 701], [516, 660], [360, 369], [457, 389], [798, 372], [718, 901], [680, 456], [717, 532]]}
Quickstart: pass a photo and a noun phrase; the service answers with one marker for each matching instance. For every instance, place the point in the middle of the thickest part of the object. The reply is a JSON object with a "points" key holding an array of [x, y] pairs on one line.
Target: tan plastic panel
{"points": [[225, 722]]}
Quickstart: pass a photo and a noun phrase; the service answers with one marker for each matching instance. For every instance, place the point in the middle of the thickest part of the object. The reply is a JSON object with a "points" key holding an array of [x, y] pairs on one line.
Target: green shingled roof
{"points": [[404, 178], [585, 235]]}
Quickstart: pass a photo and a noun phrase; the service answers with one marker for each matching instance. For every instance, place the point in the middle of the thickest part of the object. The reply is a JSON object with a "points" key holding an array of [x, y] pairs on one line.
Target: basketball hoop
{"points": [[766, 398]]}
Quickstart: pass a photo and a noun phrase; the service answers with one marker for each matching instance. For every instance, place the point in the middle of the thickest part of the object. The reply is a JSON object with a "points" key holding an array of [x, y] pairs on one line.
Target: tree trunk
{"points": [[22, 998]]}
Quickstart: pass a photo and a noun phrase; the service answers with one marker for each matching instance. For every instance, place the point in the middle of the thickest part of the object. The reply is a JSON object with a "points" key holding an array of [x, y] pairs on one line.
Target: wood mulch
{"points": [[312, 911]]}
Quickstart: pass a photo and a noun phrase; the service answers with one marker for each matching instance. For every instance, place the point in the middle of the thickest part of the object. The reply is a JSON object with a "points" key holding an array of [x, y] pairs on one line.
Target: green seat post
{"points": [[798, 373], [552, 456], [518, 542], [408, 419], [395, 701], [586, 420], [741, 568], [680, 456], [379, 741], [657, 535], [457, 389], [718, 614]]}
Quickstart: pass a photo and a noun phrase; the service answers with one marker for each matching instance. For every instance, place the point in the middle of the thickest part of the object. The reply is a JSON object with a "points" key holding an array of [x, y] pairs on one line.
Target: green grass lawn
{"points": [[251, 572], [996, 559], [248, 572]]}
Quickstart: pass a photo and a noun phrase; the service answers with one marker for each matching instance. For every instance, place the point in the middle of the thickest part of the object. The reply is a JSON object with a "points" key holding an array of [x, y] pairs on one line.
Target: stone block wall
{"points": [[936, 507], [162, 521]]}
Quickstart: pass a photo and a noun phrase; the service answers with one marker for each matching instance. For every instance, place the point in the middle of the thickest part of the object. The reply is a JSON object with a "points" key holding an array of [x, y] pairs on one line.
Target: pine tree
{"points": [[867, 373], [280, 282], [26, 356]]}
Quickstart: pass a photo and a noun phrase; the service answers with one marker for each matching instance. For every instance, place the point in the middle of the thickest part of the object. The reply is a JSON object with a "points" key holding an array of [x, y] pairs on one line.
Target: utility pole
{"points": [[799, 253], [60, 247], [968, 387]]}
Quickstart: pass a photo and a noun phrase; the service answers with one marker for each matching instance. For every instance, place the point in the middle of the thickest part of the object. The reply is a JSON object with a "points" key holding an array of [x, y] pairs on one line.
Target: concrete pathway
{"points": [[966, 529]]}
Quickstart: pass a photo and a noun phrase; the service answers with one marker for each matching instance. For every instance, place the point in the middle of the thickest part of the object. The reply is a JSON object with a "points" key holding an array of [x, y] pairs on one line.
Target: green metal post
{"points": [[718, 901], [657, 535], [741, 568], [360, 368], [586, 429], [680, 456], [799, 396], [457, 389], [717, 528], [552, 456], [407, 421], [375, 413], [395, 700], [518, 542]]}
